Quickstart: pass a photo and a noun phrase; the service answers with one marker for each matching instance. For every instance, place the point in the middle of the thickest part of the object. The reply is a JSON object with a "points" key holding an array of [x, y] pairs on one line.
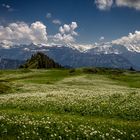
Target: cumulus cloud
{"points": [[23, 34], [129, 3], [65, 38], [56, 21], [104, 4], [66, 33], [49, 15], [73, 25], [131, 42], [107, 4]]}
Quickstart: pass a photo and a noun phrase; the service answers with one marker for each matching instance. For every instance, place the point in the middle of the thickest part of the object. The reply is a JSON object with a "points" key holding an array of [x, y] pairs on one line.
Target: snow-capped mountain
{"points": [[106, 48], [99, 55]]}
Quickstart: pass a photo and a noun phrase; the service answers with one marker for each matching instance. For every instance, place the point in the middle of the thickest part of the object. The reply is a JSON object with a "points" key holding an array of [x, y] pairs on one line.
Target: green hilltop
{"points": [[40, 61]]}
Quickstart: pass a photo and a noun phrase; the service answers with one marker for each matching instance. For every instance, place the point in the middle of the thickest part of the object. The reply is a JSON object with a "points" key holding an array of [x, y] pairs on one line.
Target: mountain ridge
{"points": [[10, 63], [70, 56]]}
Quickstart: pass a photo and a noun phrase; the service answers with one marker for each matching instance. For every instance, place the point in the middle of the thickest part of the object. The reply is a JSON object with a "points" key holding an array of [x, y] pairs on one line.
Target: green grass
{"points": [[4, 88], [56, 126], [128, 79], [124, 77], [50, 77], [66, 104], [39, 76]]}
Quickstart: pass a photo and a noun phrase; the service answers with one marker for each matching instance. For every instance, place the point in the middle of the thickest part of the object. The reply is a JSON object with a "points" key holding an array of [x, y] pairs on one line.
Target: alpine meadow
{"points": [[70, 70], [70, 104]]}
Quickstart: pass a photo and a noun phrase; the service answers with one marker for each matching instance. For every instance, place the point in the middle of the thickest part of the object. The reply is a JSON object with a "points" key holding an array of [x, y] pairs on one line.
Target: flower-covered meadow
{"points": [[55, 104]]}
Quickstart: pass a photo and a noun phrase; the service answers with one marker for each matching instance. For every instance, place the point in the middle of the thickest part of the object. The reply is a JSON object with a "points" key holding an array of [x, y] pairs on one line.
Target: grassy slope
{"points": [[81, 104]]}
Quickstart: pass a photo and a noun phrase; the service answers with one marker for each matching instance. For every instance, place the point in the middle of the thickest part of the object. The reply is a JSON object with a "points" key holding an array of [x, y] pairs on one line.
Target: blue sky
{"points": [[93, 21]]}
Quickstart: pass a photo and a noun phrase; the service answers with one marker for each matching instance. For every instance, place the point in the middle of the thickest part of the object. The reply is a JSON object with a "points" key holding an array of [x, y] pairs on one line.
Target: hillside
{"points": [[39, 61]]}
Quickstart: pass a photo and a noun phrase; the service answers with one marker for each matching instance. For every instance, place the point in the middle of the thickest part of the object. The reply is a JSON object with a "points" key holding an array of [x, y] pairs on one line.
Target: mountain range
{"points": [[10, 63], [101, 55]]}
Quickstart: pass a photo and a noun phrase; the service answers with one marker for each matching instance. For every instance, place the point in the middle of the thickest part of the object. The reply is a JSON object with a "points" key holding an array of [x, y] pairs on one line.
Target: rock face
{"points": [[40, 61]]}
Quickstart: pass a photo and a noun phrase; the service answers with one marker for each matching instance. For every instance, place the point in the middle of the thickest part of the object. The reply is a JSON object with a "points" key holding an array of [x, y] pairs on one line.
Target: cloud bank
{"points": [[107, 4], [131, 42], [129, 3], [20, 33], [23, 34]]}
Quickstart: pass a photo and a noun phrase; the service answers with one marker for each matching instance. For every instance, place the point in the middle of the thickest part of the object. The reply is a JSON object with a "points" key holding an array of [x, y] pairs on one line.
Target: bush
{"points": [[72, 71], [90, 70]]}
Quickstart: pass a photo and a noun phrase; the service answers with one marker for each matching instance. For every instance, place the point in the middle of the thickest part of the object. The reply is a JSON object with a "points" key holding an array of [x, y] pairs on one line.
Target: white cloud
{"points": [[23, 34], [39, 33], [104, 4], [67, 28], [49, 15], [107, 4], [131, 42], [8, 7], [61, 30], [56, 21], [129, 3], [83, 47], [65, 38], [73, 25], [26, 49], [66, 33], [101, 38]]}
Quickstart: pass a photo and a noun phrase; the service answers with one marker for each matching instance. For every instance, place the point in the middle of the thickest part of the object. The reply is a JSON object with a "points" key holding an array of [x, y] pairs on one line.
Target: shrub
{"points": [[72, 71]]}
